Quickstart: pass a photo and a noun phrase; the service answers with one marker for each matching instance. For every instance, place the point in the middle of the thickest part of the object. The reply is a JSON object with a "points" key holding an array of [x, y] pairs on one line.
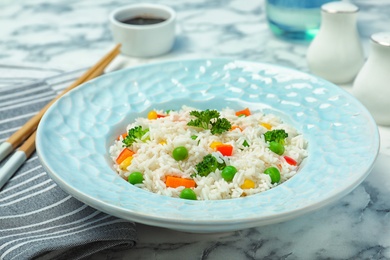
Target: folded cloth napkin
{"points": [[38, 219]]}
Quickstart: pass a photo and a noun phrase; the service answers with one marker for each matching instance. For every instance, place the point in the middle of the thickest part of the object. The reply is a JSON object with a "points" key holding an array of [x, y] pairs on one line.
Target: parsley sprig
{"points": [[210, 119], [134, 134], [277, 135], [208, 165]]}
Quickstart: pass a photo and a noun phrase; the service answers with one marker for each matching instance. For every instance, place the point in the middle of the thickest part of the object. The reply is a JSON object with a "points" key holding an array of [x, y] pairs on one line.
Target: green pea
{"points": [[135, 178], [274, 173], [180, 153], [188, 194], [276, 147], [228, 173]]}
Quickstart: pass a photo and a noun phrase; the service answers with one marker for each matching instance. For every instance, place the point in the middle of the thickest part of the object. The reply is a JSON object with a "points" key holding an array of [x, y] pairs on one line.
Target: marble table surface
{"points": [[46, 38]]}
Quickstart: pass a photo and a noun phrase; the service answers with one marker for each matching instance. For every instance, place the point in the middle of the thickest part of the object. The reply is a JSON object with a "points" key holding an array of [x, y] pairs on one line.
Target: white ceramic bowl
{"points": [[146, 40]]}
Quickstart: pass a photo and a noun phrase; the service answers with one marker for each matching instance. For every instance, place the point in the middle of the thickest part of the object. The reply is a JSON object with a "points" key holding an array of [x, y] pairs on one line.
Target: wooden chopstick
{"points": [[29, 129]]}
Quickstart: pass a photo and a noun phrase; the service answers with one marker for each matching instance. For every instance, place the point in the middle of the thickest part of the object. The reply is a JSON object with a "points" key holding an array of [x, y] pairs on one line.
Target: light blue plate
{"points": [[74, 136]]}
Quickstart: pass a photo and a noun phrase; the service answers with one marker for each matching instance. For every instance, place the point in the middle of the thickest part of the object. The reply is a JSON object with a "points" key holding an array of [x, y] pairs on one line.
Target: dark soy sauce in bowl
{"points": [[142, 20]]}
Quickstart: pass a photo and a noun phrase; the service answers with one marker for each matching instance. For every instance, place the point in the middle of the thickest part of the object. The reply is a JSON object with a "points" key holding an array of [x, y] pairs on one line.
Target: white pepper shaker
{"points": [[372, 84], [336, 53]]}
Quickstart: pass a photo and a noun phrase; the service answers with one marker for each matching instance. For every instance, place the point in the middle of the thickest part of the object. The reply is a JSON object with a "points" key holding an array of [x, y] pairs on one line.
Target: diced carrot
{"points": [[174, 182], [290, 161], [123, 155], [225, 149], [160, 116], [235, 127], [244, 112], [123, 136]]}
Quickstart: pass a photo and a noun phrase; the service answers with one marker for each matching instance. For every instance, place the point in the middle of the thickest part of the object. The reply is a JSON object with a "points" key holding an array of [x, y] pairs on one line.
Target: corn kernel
{"points": [[152, 115], [248, 184], [266, 125], [126, 162], [214, 145]]}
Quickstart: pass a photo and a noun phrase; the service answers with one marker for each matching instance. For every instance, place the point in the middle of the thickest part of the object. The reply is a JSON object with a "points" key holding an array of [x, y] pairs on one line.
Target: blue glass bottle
{"points": [[294, 19]]}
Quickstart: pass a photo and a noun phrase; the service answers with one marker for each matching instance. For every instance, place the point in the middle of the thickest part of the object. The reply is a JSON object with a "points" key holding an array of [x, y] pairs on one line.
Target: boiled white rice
{"points": [[154, 160]]}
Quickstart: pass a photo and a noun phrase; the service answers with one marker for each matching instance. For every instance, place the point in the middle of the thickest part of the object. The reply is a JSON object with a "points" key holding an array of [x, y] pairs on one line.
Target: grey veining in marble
{"points": [[356, 227], [53, 33], [46, 38]]}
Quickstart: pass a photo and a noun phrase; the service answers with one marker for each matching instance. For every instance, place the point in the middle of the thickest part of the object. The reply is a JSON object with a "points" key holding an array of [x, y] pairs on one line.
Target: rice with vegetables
{"points": [[208, 155]]}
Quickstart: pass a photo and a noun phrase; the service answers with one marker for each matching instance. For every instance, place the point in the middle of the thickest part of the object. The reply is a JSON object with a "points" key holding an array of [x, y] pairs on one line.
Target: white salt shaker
{"points": [[336, 53], [372, 84]]}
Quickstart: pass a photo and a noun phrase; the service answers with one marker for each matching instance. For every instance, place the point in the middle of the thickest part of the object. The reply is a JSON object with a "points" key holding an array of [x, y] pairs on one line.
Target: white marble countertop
{"points": [[45, 38]]}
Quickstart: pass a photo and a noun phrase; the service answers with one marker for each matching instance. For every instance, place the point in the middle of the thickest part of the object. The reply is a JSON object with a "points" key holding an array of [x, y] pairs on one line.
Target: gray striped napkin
{"points": [[38, 219]]}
